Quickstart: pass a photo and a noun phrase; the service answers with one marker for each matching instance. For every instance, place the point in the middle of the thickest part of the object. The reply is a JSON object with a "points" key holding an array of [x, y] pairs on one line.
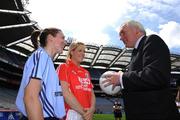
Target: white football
{"points": [[108, 90]]}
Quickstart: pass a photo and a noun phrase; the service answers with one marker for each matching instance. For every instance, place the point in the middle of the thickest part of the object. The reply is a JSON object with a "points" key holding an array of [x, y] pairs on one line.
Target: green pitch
{"points": [[106, 117]]}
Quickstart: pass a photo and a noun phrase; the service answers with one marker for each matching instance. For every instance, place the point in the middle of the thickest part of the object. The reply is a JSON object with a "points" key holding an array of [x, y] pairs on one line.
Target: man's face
{"points": [[128, 35]]}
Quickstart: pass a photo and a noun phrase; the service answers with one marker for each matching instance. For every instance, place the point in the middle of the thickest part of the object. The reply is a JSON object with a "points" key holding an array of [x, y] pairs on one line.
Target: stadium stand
{"points": [[15, 46]]}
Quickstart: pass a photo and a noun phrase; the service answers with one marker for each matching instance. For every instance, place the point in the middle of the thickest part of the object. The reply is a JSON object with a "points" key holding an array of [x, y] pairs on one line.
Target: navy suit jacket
{"points": [[146, 90]]}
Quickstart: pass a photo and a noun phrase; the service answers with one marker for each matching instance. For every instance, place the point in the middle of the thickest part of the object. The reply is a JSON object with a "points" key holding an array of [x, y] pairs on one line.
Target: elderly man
{"points": [[146, 84]]}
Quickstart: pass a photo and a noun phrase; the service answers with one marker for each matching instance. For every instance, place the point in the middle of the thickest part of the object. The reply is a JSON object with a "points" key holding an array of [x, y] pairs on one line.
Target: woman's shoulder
{"points": [[37, 55], [62, 66], [84, 70], [40, 52]]}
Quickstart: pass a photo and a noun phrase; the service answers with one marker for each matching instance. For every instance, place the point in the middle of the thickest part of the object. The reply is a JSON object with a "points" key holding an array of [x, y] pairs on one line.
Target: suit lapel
{"points": [[141, 44], [136, 55]]}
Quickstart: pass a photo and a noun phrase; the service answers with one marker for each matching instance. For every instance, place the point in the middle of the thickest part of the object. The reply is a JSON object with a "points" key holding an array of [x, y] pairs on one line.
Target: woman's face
{"points": [[59, 42], [78, 54]]}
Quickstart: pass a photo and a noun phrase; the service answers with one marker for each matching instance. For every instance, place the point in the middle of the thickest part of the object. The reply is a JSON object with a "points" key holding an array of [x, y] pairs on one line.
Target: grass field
{"points": [[105, 117]]}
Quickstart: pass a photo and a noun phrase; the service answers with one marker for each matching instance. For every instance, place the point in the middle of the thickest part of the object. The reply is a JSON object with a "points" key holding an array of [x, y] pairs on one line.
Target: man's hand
{"points": [[112, 79]]}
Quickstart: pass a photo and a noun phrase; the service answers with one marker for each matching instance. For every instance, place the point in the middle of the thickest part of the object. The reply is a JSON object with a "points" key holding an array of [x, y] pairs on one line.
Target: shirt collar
{"points": [[138, 41]]}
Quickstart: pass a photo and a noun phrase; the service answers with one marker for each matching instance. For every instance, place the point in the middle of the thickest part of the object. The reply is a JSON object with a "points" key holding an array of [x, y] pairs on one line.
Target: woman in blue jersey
{"points": [[39, 96]]}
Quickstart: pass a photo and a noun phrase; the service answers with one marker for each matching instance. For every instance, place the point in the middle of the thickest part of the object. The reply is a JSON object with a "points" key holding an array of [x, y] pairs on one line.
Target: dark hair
{"points": [[38, 37]]}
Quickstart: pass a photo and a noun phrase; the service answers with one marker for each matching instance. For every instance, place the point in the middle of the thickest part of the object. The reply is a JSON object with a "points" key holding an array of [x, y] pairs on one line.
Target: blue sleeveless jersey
{"points": [[40, 65]]}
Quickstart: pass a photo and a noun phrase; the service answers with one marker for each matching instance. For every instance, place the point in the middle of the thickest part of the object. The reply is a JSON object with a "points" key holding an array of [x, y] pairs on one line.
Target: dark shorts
{"points": [[47, 118], [117, 114]]}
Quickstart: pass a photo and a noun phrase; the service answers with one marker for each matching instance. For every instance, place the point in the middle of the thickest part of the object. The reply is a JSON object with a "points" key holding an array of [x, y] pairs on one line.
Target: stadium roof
{"points": [[15, 46], [16, 28]]}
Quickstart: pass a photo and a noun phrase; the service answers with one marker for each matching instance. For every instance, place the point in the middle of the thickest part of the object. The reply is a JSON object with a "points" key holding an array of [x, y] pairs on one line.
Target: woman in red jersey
{"points": [[76, 85]]}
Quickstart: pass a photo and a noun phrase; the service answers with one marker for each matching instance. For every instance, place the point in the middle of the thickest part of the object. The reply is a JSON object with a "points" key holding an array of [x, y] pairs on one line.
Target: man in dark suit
{"points": [[146, 85]]}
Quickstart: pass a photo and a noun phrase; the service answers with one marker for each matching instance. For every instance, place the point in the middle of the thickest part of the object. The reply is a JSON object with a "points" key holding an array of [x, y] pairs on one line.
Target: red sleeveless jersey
{"points": [[79, 82]]}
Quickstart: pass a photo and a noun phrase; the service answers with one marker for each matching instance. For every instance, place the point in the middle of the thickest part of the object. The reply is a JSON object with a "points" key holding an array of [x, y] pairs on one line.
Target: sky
{"points": [[98, 21]]}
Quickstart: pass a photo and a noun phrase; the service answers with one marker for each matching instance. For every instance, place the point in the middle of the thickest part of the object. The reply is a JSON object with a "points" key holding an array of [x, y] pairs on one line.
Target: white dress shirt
{"points": [[121, 73]]}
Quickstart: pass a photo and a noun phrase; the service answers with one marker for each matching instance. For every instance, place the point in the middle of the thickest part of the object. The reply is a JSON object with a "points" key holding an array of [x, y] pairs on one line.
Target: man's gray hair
{"points": [[136, 24]]}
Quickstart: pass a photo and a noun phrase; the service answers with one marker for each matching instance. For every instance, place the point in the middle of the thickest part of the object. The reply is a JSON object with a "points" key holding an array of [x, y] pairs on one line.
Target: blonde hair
{"points": [[72, 47]]}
